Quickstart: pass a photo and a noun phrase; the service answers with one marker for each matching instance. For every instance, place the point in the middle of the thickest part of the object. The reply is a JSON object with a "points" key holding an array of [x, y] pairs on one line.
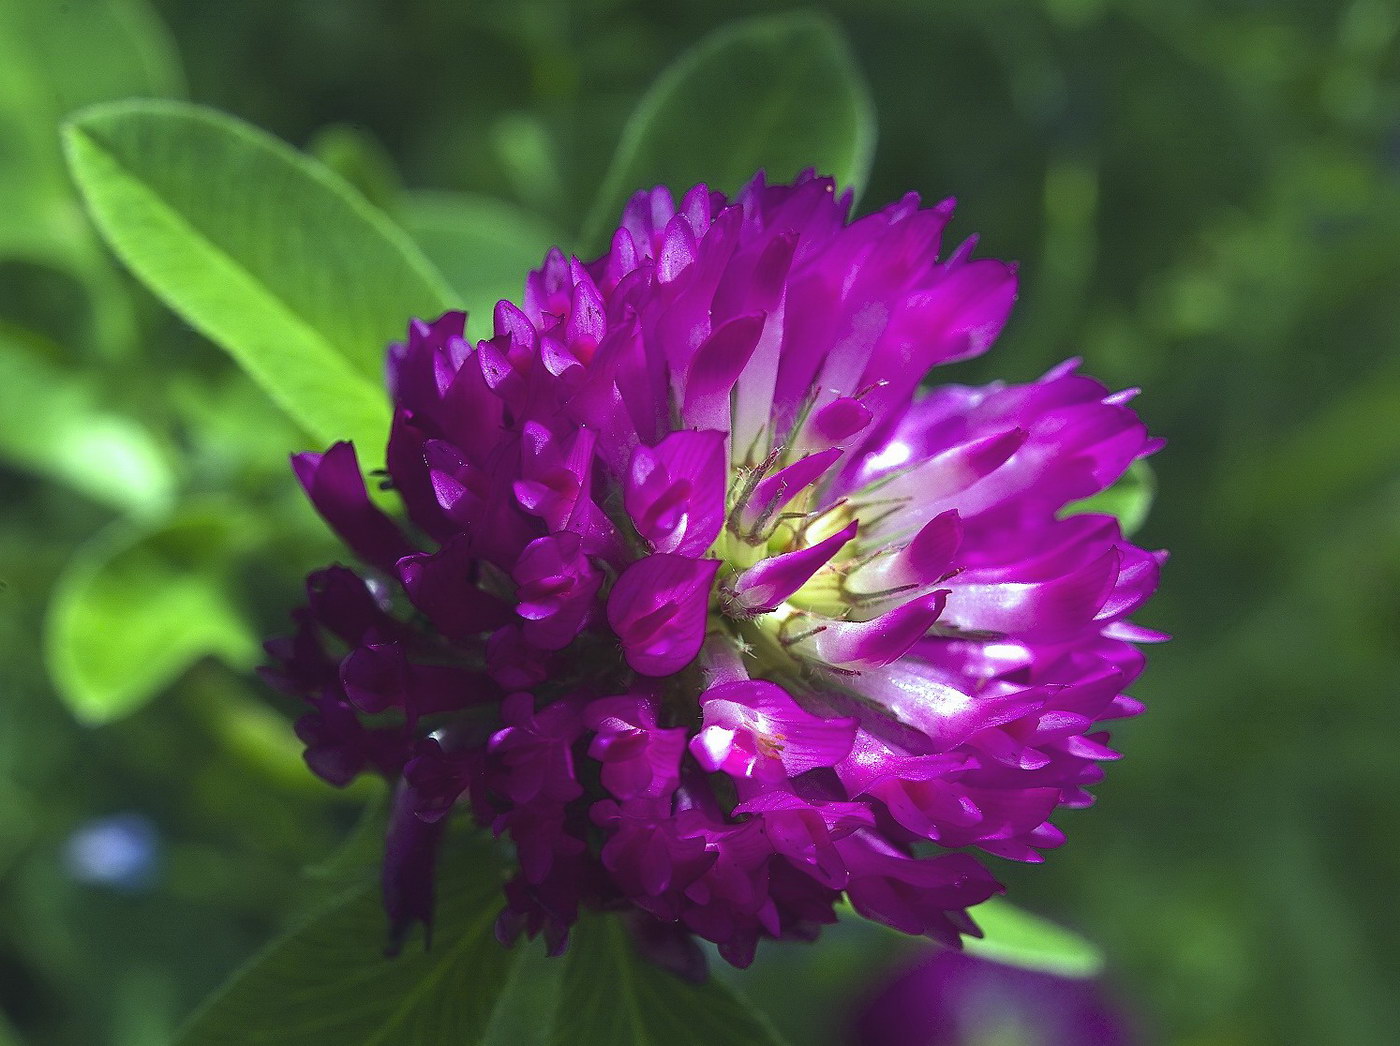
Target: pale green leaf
{"points": [[781, 93], [264, 251], [1018, 938], [330, 982], [1130, 499], [138, 605], [53, 422], [610, 996], [484, 247], [1015, 937], [56, 58]]}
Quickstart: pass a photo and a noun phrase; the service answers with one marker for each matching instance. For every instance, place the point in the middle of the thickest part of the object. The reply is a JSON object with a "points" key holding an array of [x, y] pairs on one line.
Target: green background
{"points": [[1205, 199]]}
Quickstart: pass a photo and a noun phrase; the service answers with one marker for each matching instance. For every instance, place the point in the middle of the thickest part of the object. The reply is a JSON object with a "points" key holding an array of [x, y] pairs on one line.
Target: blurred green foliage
{"points": [[782, 109], [1205, 198], [351, 997]]}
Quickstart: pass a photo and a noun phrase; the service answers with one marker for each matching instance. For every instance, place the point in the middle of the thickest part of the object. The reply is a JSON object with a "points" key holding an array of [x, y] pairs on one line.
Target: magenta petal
{"points": [[765, 585], [924, 561], [677, 250], [715, 367], [556, 474], [343, 602], [669, 947], [658, 607], [675, 491], [410, 852], [1139, 573], [555, 587], [1053, 609], [375, 677], [640, 760], [533, 753], [841, 419], [512, 661], [946, 715], [869, 644], [333, 482], [752, 726], [805, 833], [773, 493], [916, 895], [962, 466], [443, 586]]}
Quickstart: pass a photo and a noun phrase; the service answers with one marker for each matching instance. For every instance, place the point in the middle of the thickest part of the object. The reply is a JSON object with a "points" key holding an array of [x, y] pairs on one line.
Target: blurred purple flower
{"points": [[953, 999], [121, 851], [706, 604]]}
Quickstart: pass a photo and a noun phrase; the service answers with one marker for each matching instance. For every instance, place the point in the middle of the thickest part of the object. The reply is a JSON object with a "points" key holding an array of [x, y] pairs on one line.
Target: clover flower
{"points": [[706, 605]]}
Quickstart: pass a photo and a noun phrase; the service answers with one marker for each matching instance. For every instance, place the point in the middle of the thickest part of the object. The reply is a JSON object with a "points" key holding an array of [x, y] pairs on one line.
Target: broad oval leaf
{"points": [[1130, 499], [140, 604], [484, 247], [610, 996], [329, 981], [781, 93], [1018, 938], [262, 250]]}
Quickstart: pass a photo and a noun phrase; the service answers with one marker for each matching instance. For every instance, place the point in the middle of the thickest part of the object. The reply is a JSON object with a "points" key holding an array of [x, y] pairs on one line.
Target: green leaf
{"points": [[262, 250], [1130, 499], [58, 57], [1018, 938], [138, 605], [781, 93], [528, 154], [67, 55], [611, 997], [1015, 937], [329, 981], [482, 246], [53, 422], [358, 157], [236, 436], [262, 739], [8, 1035], [531, 994], [44, 300], [360, 854]]}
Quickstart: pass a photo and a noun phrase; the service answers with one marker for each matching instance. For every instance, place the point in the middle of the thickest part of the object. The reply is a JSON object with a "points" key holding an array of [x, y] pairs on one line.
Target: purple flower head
{"points": [[705, 602]]}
